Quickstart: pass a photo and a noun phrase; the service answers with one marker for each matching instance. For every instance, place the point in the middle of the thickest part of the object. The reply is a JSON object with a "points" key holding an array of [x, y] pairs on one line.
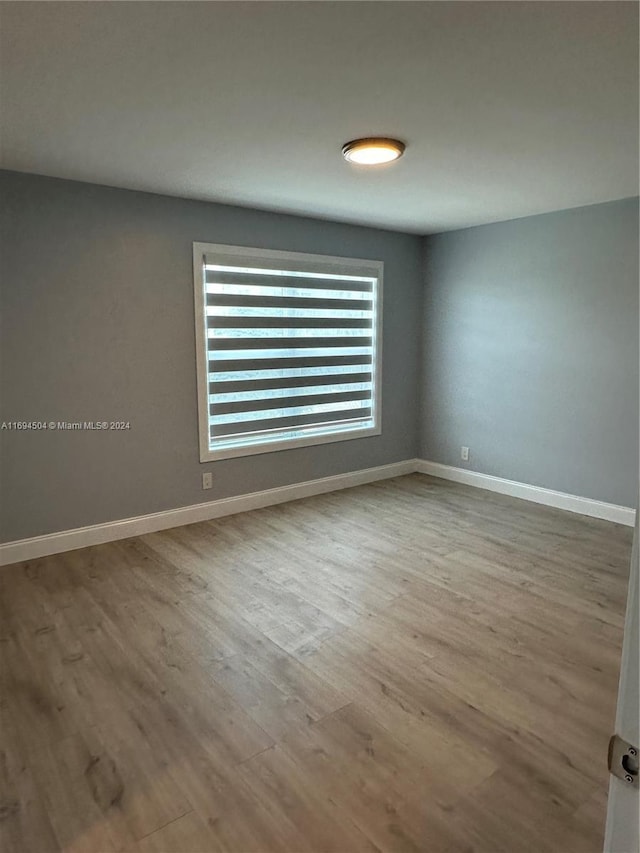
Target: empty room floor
{"points": [[411, 665]]}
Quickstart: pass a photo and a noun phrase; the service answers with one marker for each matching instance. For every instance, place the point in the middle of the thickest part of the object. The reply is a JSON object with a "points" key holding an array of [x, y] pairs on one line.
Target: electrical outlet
{"points": [[464, 454], [207, 480]]}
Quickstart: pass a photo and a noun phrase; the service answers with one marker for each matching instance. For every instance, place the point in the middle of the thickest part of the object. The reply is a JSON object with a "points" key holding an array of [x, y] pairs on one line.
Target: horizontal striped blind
{"points": [[290, 352]]}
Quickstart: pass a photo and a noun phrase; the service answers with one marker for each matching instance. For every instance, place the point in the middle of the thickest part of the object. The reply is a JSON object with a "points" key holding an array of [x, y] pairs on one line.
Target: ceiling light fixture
{"points": [[373, 150]]}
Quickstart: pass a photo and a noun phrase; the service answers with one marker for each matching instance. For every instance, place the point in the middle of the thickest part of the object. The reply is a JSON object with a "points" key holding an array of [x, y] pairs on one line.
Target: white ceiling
{"points": [[508, 108]]}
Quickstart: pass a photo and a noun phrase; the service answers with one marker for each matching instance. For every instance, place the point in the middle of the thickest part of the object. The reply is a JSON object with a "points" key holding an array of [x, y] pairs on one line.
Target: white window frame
{"points": [[316, 263]]}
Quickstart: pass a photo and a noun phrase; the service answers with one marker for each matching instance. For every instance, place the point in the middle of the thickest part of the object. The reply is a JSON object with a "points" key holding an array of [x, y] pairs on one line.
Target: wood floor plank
{"points": [[311, 816], [64, 772], [189, 833], [24, 822], [394, 799], [411, 666]]}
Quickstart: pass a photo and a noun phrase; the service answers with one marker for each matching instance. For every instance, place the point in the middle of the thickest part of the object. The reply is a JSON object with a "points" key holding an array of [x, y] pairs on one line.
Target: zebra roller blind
{"points": [[289, 349]]}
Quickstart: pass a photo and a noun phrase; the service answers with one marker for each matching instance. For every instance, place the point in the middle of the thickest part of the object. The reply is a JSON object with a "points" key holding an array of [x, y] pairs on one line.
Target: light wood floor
{"points": [[412, 665]]}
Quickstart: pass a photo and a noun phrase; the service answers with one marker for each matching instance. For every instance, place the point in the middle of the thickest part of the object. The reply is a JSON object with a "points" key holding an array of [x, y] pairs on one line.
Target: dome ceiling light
{"points": [[373, 150]]}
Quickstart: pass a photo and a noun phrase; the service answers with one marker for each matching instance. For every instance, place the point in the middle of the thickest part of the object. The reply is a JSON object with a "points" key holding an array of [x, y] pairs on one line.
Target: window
{"points": [[288, 349]]}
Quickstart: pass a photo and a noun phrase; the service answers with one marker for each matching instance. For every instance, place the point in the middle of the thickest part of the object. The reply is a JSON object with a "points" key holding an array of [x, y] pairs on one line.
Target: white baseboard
{"points": [[536, 494], [96, 534]]}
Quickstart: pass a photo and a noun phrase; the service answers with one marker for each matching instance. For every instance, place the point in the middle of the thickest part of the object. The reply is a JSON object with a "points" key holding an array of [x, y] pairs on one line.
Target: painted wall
{"points": [[530, 350], [97, 324]]}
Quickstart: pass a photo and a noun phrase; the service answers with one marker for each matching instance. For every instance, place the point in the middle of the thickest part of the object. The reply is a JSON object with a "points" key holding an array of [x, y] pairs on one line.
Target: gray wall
{"points": [[97, 303], [530, 350]]}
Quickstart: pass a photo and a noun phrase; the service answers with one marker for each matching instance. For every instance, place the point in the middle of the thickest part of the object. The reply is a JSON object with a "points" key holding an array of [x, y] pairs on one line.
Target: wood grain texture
{"points": [[411, 665]]}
